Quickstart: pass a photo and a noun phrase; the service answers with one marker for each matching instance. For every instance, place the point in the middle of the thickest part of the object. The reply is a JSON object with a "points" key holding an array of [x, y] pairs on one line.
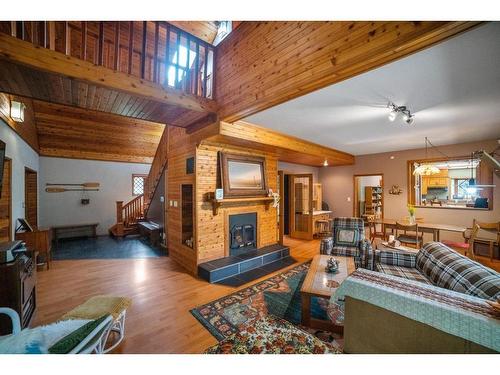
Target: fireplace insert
{"points": [[242, 233]]}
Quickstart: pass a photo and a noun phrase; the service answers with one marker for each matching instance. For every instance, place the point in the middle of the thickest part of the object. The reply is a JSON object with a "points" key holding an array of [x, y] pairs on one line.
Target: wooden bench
{"points": [[74, 230], [151, 230]]}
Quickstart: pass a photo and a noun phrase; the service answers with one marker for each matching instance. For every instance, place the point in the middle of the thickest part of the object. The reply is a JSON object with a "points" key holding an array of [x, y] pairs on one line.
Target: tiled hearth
{"points": [[239, 269]]}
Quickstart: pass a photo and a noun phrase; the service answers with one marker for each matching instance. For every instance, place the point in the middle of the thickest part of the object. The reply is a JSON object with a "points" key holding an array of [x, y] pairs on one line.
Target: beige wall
{"points": [[291, 168], [338, 185]]}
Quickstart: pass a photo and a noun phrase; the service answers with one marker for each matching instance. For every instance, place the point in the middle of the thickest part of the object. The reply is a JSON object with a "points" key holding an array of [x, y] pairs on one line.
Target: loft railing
{"points": [[156, 51]]}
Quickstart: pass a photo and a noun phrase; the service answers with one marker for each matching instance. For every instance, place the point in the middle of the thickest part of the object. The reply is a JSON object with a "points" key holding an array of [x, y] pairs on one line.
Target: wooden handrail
{"points": [[130, 212], [163, 49], [157, 167]]}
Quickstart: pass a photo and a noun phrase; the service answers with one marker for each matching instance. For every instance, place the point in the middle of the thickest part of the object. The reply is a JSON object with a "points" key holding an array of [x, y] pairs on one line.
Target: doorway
{"points": [[6, 203], [31, 196], [300, 201], [368, 200]]}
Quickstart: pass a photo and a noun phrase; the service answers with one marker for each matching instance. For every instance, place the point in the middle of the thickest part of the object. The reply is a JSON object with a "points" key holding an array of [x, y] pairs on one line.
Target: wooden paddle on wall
{"points": [[85, 184], [62, 190]]}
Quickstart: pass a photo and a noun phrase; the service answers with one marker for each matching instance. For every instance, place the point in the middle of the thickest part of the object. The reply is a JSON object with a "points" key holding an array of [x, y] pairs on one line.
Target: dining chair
{"points": [[467, 246], [494, 230], [374, 233], [413, 238]]}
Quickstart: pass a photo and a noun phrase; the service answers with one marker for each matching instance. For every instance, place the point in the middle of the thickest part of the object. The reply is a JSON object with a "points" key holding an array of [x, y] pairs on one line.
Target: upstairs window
{"points": [[138, 182]]}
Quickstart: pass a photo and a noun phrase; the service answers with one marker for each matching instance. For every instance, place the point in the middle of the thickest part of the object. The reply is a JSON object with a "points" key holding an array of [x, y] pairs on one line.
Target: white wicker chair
{"points": [[95, 342]]}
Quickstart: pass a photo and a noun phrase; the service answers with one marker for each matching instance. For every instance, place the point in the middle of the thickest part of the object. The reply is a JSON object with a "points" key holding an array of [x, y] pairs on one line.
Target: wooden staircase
{"points": [[127, 217], [129, 214]]}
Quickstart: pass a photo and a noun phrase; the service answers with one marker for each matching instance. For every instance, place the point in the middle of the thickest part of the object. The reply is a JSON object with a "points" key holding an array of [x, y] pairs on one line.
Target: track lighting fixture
{"points": [[396, 110]]}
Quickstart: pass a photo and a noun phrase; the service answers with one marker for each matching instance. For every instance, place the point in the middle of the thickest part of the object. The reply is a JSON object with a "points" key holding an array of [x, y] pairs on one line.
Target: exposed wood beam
{"points": [[262, 64], [288, 148], [25, 53]]}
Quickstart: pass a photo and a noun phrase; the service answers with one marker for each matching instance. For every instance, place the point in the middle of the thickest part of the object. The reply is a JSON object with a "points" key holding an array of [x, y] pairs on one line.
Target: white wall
{"points": [[290, 168], [22, 156], [65, 208]]}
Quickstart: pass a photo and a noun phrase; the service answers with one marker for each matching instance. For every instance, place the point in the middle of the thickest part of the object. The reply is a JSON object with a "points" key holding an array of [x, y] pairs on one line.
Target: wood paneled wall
{"points": [[212, 231], [261, 64], [27, 129], [6, 203]]}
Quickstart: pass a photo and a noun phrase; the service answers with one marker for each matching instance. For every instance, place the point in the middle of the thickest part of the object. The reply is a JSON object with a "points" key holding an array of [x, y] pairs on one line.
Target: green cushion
{"points": [[69, 342], [346, 237]]}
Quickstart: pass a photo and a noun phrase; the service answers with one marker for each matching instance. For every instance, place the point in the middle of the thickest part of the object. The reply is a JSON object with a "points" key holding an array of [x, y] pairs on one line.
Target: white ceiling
{"points": [[452, 88]]}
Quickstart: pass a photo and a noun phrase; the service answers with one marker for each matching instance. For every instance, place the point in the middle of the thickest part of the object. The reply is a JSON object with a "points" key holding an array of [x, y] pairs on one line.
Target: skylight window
{"points": [[182, 64]]}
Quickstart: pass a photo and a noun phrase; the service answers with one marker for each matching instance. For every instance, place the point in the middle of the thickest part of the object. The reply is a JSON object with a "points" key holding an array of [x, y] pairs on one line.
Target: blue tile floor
{"points": [[105, 247]]}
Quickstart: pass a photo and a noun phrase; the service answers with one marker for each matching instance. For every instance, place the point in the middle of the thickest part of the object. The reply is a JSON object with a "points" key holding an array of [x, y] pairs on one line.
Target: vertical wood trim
{"points": [[117, 45], [155, 57], [84, 40], [167, 53], [67, 48], [130, 45], [52, 35], [188, 67], [101, 44], [205, 73], [177, 46], [45, 39], [281, 232], [33, 39], [13, 29], [197, 68], [144, 48], [23, 32]]}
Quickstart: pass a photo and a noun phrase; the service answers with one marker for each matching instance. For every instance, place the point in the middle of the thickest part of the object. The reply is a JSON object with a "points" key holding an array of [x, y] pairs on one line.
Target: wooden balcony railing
{"points": [[155, 51]]}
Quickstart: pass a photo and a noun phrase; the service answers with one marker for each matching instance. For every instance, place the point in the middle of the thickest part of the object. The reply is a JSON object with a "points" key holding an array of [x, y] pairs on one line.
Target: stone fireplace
{"points": [[242, 233]]}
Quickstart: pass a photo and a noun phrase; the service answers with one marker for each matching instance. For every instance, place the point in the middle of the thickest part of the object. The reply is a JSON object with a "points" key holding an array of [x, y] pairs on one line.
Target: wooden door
{"points": [[31, 197], [301, 206], [6, 203]]}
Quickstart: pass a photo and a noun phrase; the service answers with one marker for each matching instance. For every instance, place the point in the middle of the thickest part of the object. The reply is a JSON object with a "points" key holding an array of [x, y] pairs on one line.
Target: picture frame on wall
{"points": [[243, 175]]}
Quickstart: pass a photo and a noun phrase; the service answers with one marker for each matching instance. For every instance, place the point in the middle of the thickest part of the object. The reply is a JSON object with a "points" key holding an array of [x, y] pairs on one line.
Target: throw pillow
{"points": [[346, 237]]}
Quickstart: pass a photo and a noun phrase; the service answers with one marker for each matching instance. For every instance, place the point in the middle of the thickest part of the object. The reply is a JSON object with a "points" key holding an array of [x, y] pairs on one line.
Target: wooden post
{"points": [[101, 44], [52, 35], [197, 68], [130, 45], [67, 39], [155, 57], [84, 40], [205, 73], [144, 49], [117, 45], [13, 29], [119, 211]]}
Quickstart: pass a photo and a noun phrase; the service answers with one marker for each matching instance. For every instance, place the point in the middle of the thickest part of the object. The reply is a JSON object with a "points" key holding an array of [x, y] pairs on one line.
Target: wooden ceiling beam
{"points": [[263, 64], [25, 53], [287, 148]]}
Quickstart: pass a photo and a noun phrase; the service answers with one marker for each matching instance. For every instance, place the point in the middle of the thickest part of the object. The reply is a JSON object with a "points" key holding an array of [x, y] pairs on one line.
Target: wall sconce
{"points": [[17, 111]]}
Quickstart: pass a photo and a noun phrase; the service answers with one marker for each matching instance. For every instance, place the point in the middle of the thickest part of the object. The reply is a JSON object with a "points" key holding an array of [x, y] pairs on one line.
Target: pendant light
{"points": [[426, 169]]}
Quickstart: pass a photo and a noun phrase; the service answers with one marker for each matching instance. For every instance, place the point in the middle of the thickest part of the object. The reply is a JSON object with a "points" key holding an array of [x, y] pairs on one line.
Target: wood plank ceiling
{"points": [[267, 63], [205, 30], [72, 132]]}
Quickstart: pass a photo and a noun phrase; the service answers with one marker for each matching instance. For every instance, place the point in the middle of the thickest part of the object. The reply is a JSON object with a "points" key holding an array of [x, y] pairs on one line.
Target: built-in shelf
{"points": [[216, 203]]}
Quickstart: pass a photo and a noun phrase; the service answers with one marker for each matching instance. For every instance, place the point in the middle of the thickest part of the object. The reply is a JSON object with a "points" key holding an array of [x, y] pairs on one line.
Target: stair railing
{"points": [[130, 212]]}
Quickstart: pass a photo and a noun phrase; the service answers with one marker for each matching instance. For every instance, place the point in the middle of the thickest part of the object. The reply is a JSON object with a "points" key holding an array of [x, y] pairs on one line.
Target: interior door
{"points": [[301, 206], [5, 203], [31, 197]]}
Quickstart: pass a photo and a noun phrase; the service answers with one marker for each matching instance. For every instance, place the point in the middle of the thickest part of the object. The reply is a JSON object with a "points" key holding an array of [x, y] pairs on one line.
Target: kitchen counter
{"points": [[321, 212]]}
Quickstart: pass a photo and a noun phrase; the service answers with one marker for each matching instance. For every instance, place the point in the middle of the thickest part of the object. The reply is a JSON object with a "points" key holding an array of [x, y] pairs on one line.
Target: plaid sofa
{"points": [[355, 245], [438, 265]]}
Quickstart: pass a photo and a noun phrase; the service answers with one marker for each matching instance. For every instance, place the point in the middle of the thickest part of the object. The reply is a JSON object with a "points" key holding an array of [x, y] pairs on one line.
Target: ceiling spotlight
{"points": [[395, 110], [325, 163]]}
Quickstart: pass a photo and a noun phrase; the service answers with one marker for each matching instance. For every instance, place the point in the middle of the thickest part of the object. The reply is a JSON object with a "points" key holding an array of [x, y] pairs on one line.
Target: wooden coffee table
{"points": [[319, 283]]}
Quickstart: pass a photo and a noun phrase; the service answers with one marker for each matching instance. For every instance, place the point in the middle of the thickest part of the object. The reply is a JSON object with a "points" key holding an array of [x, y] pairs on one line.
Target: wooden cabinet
{"points": [[439, 180], [40, 241]]}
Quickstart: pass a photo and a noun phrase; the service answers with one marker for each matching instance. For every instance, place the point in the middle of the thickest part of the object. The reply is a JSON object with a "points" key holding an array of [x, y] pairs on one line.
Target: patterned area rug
{"points": [[277, 296]]}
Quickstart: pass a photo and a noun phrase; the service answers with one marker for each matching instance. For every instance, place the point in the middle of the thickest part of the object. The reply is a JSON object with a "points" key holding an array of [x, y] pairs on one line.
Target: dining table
{"points": [[423, 226]]}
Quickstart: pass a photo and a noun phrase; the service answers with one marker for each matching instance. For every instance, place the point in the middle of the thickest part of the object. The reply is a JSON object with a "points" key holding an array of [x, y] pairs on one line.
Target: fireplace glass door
{"points": [[301, 206]]}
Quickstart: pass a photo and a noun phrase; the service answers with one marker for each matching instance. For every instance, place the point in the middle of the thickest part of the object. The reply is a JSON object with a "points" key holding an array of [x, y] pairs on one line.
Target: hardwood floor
{"points": [[159, 320]]}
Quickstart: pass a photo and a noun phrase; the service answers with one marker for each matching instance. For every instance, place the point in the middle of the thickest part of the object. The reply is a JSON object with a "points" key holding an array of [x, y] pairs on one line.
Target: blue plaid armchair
{"points": [[349, 240]]}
